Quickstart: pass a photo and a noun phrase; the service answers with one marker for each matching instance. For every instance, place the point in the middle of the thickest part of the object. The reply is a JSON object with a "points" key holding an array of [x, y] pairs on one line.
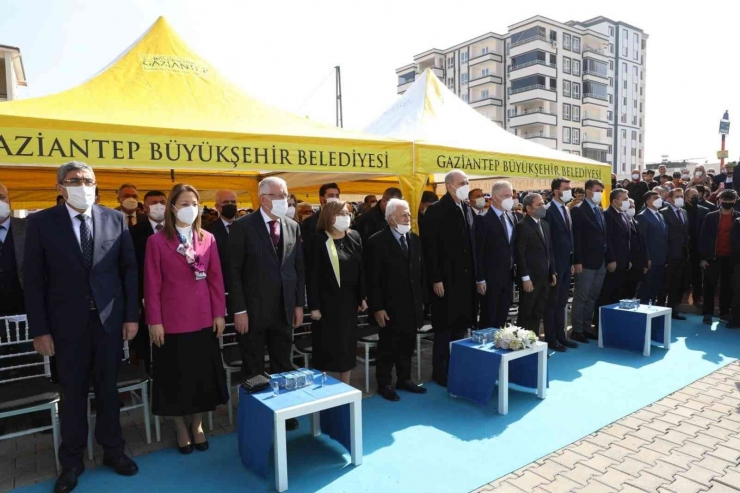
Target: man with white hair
{"points": [[396, 297], [267, 284], [448, 239]]}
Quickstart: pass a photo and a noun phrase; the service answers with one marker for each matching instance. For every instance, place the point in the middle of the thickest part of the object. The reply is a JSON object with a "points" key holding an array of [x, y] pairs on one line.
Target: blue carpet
{"points": [[435, 443]]}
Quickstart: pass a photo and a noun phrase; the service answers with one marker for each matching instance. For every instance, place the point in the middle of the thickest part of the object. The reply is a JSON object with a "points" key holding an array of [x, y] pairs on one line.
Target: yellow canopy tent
{"points": [[448, 134], [159, 107]]}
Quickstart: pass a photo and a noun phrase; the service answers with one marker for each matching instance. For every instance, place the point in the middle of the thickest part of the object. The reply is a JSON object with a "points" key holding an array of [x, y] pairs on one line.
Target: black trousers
{"points": [[718, 271], [441, 349], [611, 291], [494, 306], [651, 284], [101, 352], [697, 275], [736, 295], [676, 281], [532, 307], [555, 310], [631, 279], [279, 341], [395, 348]]}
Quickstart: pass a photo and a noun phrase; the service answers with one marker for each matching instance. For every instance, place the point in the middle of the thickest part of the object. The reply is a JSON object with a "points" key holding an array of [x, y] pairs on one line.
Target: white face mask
{"points": [[567, 196], [279, 207], [635, 176], [685, 177], [507, 204], [331, 199], [81, 198], [480, 203], [658, 203], [698, 174], [290, 212], [462, 192], [130, 204], [630, 213], [4, 210], [188, 214], [402, 229], [597, 197], [678, 202], [341, 223], [156, 212], [625, 205]]}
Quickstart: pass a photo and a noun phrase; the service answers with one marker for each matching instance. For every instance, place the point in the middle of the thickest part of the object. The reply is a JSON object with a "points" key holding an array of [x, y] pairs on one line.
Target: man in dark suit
{"points": [[654, 235], [589, 259], [617, 249], [12, 240], [715, 249], [448, 240], [727, 177], [494, 252], [155, 204], [267, 283], [396, 288], [696, 215], [427, 198], [734, 322], [637, 189], [703, 194], [561, 232], [82, 302], [535, 263], [226, 206], [677, 254], [128, 197], [636, 271], [328, 192], [373, 220]]}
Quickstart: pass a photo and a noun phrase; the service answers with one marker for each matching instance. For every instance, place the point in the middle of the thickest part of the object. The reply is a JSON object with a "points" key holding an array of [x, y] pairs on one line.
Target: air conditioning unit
{"points": [[554, 44]]}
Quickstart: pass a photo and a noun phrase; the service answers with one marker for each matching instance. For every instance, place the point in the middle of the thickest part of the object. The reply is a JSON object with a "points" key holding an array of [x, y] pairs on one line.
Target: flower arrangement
{"points": [[514, 338]]}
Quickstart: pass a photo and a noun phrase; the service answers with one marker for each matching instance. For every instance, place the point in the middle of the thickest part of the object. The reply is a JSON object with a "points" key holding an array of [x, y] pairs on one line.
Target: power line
{"points": [[315, 91]]}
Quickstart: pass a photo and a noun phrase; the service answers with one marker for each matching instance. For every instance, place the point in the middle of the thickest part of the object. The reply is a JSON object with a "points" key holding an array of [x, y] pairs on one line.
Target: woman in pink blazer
{"points": [[185, 309]]}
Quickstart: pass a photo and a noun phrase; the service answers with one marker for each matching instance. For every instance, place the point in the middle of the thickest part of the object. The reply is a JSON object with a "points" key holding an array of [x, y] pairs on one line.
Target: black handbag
{"points": [[256, 383]]}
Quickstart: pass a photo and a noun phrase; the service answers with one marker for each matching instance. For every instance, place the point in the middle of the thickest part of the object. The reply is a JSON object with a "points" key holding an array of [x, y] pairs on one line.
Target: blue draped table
{"points": [[335, 409], [475, 370], [634, 330]]}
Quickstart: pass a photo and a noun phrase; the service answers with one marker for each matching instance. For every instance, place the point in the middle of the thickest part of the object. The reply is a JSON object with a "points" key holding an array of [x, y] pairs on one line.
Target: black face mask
{"points": [[694, 201], [228, 211], [728, 205]]}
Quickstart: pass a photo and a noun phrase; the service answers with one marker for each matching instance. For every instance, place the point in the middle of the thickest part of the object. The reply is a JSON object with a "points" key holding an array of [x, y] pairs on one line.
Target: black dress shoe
{"points": [[724, 317], [707, 320], [123, 465], [569, 344], [67, 481], [594, 336], [577, 336], [410, 386], [291, 424], [187, 449], [202, 447], [441, 380], [387, 393], [731, 325], [677, 316], [556, 346]]}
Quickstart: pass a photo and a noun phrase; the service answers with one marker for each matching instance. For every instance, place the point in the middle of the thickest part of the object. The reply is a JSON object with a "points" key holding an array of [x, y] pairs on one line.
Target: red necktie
{"points": [[567, 221], [274, 233]]}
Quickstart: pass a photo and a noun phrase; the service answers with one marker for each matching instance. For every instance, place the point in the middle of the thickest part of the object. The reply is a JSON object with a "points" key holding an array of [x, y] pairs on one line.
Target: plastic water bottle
{"points": [[470, 333], [323, 379], [650, 305]]}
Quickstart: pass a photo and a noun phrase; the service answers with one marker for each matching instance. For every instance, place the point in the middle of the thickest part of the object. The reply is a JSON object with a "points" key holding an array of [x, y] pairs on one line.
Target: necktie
{"points": [[567, 219], [404, 246], [680, 216], [159, 227], [228, 228], [599, 218], [130, 220], [274, 233], [86, 240]]}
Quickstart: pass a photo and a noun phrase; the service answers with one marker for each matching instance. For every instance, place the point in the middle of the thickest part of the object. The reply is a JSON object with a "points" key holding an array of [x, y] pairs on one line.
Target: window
{"points": [[641, 122], [634, 103], [624, 134], [611, 48], [610, 115], [611, 81], [463, 57], [553, 35], [451, 62], [553, 60], [633, 152], [566, 65], [553, 84], [528, 82], [623, 118], [528, 34], [624, 70], [576, 44], [566, 111], [634, 135], [465, 97], [634, 71], [640, 138], [406, 78], [636, 41], [575, 136], [624, 101], [611, 99], [595, 67], [611, 31], [641, 91], [609, 132], [450, 82], [484, 50], [625, 42], [484, 72], [576, 90], [635, 55], [611, 64], [566, 135], [566, 88], [634, 86], [576, 153], [639, 153], [576, 113], [528, 58], [484, 94], [595, 90], [566, 41], [577, 67], [463, 79], [634, 120]]}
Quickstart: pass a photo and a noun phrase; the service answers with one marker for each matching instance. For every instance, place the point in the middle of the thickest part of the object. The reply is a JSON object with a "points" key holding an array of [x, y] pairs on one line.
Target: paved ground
{"points": [[684, 443]]}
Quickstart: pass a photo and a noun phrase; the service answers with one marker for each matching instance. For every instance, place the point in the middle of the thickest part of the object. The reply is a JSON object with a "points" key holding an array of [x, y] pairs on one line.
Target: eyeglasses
{"points": [[78, 182]]}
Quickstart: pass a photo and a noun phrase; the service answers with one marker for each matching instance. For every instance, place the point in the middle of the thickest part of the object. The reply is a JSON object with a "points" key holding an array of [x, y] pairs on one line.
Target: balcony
{"points": [[534, 116], [539, 67], [595, 99], [598, 143], [592, 73], [594, 120], [596, 53], [542, 138], [439, 72], [529, 44], [485, 79], [486, 101], [485, 57], [528, 40], [536, 91]]}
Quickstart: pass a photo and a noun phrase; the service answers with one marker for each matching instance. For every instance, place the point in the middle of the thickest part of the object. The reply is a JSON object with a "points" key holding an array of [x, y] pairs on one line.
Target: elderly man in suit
{"points": [[677, 255], [494, 243], [589, 259], [128, 198], [12, 239], [561, 232], [82, 302], [654, 236], [267, 282], [448, 240], [226, 206], [535, 263], [396, 289]]}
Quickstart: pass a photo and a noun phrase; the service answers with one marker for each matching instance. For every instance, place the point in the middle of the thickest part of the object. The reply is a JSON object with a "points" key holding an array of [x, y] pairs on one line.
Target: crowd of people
{"points": [[163, 273]]}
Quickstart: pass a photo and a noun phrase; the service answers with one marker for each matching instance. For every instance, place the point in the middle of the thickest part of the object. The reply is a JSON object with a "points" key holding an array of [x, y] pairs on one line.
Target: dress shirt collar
{"points": [[6, 224], [675, 209], [227, 224], [396, 234], [154, 224], [657, 214], [593, 206], [618, 211], [537, 221], [73, 213], [267, 218]]}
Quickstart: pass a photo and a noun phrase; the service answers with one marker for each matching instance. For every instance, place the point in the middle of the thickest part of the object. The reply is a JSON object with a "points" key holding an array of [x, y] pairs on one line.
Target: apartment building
{"points": [[12, 73], [577, 86]]}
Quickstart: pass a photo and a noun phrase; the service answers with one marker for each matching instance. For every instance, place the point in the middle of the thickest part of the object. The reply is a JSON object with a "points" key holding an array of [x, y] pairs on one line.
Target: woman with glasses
{"points": [[185, 309], [336, 290]]}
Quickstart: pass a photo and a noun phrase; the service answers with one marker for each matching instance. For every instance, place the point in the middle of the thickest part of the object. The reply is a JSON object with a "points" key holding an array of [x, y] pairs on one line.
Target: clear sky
{"points": [[284, 51]]}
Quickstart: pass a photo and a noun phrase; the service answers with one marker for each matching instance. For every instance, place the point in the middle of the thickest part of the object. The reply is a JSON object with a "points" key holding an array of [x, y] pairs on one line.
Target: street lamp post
{"points": [[724, 129]]}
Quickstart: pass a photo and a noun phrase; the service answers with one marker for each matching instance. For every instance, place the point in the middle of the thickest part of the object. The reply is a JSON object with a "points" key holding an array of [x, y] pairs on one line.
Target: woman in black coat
{"points": [[336, 290]]}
